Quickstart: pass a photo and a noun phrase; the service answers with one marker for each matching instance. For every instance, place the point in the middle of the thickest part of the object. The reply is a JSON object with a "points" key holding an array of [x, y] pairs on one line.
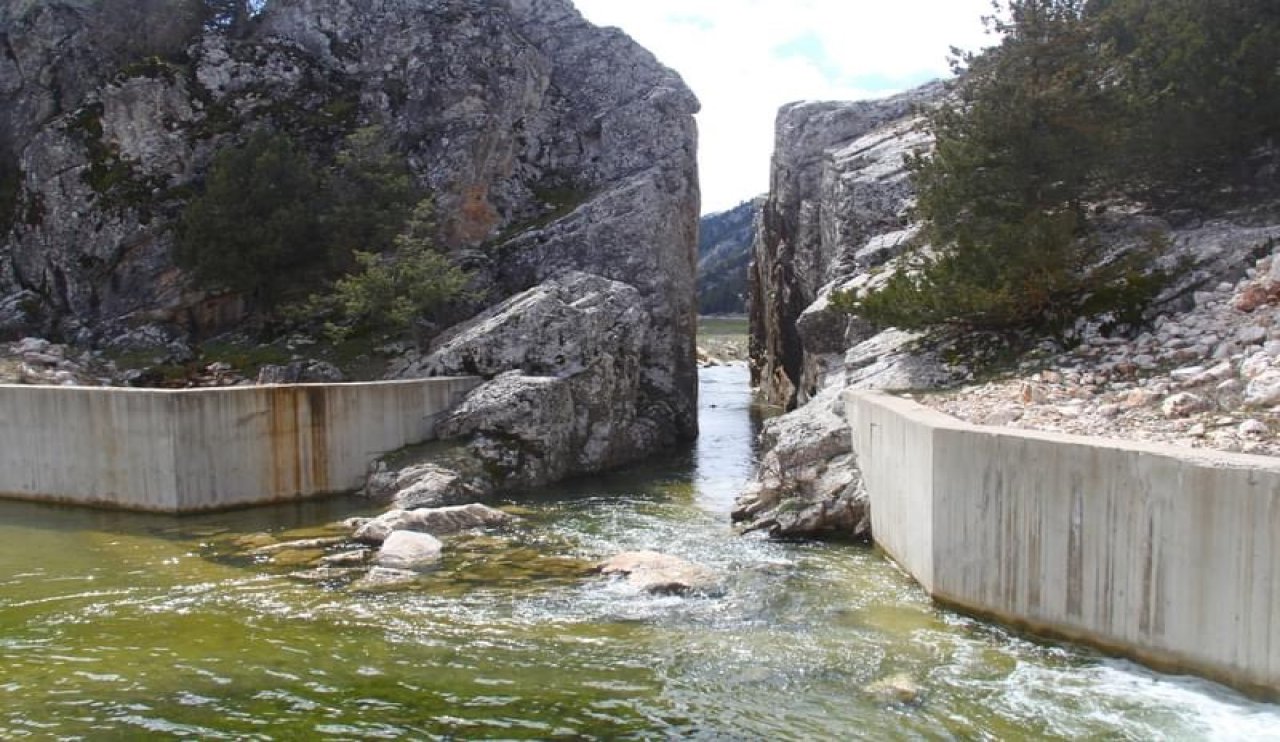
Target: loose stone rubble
{"points": [[1205, 377]]}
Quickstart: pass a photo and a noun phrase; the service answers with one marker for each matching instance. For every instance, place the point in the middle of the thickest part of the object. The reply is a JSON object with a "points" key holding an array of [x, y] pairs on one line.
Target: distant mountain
{"points": [[724, 251]]}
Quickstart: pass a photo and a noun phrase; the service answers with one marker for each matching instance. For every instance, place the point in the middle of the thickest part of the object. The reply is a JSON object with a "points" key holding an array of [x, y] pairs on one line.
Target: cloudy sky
{"points": [[745, 58]]}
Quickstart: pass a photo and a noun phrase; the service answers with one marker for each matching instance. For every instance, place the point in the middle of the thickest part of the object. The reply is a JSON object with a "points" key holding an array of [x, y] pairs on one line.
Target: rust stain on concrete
{"points": [[282, 436], [318, 404]]}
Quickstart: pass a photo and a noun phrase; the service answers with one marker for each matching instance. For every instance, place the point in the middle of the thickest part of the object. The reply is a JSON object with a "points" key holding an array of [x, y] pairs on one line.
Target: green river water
{"points": [[118, 626]]}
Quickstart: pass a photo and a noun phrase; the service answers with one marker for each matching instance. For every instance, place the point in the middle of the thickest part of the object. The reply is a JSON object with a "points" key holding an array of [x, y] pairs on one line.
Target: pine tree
{"points": [[1003, 192], [1197, 83], [255, 229]]}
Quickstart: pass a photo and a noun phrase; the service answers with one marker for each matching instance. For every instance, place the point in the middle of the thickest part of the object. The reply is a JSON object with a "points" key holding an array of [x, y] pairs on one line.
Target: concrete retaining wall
{"points": [[1167, 555], [206, 449]]}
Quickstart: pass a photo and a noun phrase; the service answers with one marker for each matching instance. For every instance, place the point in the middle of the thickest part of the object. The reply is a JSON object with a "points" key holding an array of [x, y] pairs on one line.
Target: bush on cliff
{"points": [[371, 195], [392, 293], [1079, 102], [1002, 194]]}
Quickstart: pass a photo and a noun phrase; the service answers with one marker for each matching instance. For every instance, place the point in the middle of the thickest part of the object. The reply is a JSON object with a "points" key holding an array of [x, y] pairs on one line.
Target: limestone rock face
{"points": [[837, 219], [839, 184], [569, 392], [555, 329]]}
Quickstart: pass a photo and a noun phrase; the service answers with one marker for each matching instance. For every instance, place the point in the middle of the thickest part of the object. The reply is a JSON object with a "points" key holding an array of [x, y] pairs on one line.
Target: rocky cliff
{"points": [[550, 146], [837, 212], [837, 206]]}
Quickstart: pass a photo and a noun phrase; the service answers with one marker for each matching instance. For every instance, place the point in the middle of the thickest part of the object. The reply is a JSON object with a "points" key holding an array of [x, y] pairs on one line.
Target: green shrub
{"points": [[391, 293], [1197, 85], [1002, 193], [351, 242], [371, 194]]}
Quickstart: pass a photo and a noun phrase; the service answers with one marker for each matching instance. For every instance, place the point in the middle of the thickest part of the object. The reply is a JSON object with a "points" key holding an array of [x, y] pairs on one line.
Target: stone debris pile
{"points": [[1205, 377], [41, 362]]}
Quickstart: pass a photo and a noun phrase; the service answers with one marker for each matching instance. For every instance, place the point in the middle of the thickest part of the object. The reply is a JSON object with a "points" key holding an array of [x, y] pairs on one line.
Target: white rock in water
{"points": [[896, 689], [662, 574], [437, 521], [409, 550]]}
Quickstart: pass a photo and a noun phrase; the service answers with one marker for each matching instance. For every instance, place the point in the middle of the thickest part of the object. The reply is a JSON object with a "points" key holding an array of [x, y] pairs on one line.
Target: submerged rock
{"points": [[436, 521], [409, 550], [324, 574], [662, 574], [309, 544], [384, 578], [900, 689], [352, 558]]}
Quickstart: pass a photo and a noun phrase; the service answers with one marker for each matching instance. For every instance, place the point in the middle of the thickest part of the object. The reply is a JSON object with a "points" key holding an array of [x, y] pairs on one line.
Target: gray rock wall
{"points": [[838, 217]]}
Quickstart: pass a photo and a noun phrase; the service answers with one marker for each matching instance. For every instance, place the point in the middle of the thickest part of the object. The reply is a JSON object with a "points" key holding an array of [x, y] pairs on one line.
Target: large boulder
{"points": [[556, 328], [409, 550], [568, 393]]}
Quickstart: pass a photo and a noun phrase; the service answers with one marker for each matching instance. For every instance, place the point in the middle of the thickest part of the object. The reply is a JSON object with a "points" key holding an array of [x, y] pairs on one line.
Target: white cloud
{"points": [[746, 58]]}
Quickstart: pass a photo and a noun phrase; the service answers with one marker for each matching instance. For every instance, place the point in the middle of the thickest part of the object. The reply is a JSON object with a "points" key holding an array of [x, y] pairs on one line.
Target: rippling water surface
{"points": [[119, 626]]}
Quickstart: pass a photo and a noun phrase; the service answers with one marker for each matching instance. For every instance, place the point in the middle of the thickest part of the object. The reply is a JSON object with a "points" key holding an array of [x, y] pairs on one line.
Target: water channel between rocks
{"points": [[115, 625]]}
